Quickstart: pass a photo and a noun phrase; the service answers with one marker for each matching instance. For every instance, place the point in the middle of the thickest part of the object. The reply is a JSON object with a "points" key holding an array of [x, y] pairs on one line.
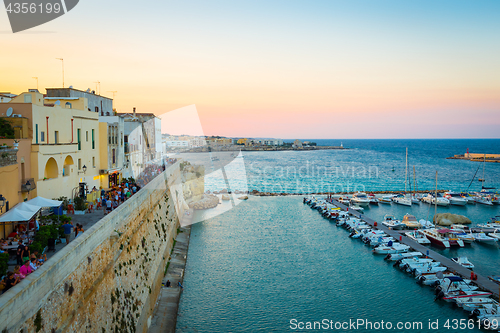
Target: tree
{"points": [[6, 130]]}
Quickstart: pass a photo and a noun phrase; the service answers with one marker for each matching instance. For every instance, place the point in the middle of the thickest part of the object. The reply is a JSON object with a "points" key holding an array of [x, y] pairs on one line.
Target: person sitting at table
{"points": [[25, 269], [13, 234], [17, 273], [33, 264], [10, 281], [42, 258]]}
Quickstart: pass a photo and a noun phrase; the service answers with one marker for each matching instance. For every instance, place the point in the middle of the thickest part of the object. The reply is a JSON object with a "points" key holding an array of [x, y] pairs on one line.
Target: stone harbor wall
{"points": [[106, 280]]}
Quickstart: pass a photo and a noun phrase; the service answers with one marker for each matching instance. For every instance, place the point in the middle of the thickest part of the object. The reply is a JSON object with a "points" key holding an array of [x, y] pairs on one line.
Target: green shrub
{"points": [[36, 246], [80, 203], [4, 259]]}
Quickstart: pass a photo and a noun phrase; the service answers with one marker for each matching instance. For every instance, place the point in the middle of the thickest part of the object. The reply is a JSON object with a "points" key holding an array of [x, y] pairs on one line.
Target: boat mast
{"points": [[436, 198], [406, 170], [414, 180], [484, 164]]}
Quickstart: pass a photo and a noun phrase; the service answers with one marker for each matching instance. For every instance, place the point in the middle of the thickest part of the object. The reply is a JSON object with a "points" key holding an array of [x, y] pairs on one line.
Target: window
{"points": [[93, 162], [27, 98], [36, 133], [114, 156], [78, 137], [56, 136], [87, 136], [68, 105], [79, 164], [109, 139], [97, 109], [42, 136], [93, 139]]}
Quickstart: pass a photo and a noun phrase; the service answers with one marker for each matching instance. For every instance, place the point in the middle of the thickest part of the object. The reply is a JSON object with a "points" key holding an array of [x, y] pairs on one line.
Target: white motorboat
{"points": [[344, 201], [429, 198], [408, 261], [464, 236], [385, 199], [415, 199], [395, 257], [429, 269], [484, 200], [391, 222], [357, 208], [417, 237], [469, 304], [411, 222], [482, 238], [402, 200], [454, 287], [463, 261], [455, 199], [391, 248], [495, 235], [380, 241], [360, 199], [426, 224]]}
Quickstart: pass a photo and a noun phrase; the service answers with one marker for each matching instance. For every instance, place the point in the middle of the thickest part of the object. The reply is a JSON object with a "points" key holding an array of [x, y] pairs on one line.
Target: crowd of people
{"points": [[27, 263]]}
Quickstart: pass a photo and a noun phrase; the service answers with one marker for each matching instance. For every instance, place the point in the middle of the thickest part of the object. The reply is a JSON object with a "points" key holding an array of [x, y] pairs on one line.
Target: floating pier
{"points": [[482, 282]]}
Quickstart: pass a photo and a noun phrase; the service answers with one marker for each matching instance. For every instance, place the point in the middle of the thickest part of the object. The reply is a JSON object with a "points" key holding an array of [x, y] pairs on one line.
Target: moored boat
{"points": [[410, 221], [442, 237], [463, 261], [391, 222], [417, 236], [360, 199]]}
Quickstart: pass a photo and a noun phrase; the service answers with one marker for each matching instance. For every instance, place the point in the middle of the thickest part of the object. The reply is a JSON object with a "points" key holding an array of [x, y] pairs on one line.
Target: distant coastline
{"points": [[256, 148]]}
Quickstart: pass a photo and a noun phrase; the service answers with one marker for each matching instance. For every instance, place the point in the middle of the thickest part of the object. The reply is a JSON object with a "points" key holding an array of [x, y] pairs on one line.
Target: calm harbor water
{"points": [[367, 166], [270, 260]]}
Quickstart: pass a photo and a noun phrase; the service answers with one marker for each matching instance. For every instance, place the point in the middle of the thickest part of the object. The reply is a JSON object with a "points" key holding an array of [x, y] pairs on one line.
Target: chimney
{"points": [[134, 112]]}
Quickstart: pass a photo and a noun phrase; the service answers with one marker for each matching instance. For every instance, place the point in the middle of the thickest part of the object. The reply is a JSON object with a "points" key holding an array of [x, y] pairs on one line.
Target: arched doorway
{"points": [[51, 170], [68, 162]]}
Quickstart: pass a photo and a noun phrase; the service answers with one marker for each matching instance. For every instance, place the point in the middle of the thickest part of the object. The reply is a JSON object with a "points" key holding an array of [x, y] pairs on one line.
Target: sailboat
{"points": [[414, 197], [403, 200]]}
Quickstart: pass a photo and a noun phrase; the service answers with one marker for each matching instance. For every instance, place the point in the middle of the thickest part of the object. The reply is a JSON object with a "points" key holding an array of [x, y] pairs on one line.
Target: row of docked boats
{"points": [[361, 199], [448, 285]]}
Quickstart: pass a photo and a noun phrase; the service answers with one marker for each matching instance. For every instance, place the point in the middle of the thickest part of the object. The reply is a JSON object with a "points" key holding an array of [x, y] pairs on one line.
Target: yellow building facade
{"points": [[64, 144]]}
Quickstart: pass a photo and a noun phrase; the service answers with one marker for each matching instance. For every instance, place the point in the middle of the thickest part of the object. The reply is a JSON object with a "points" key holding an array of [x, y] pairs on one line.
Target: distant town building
{"points": [[95, 103], [297, 144]]}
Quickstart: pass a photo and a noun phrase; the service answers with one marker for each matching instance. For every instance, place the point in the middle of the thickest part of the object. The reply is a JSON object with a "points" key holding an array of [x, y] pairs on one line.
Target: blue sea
{"points": [[272, 262]]}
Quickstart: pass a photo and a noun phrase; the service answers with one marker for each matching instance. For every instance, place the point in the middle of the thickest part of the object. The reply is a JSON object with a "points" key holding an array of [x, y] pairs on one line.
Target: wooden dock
{"points": [[483, 282]]}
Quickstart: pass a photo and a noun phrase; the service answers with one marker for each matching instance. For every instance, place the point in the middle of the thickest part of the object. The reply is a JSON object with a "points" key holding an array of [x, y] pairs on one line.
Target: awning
{"points": [[21, 212], [43, 202]]}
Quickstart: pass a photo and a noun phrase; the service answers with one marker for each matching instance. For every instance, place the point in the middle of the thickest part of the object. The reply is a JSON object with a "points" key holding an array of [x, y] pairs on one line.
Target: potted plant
{"points": [[80, 206]]}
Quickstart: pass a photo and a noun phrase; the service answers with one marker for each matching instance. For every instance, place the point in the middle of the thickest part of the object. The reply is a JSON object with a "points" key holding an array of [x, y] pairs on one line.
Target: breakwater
{"points": [[106, 280], [275, 194]]}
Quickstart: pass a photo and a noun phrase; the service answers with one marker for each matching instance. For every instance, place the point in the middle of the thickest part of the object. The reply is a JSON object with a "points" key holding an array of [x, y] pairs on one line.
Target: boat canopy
{"points": [[454, 278], [443, 231]]}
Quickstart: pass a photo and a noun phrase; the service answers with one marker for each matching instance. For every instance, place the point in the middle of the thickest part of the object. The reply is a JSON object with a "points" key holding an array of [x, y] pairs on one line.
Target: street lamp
{"points": [[2, 202], [84, 168]]}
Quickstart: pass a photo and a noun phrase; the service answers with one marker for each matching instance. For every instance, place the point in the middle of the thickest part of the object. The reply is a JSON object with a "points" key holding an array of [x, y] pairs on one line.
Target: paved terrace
{"points": [[482, 281], [87, 220]]}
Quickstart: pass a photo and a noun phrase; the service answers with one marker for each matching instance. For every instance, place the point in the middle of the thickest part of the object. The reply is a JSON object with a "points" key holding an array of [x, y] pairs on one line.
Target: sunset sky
{"points": [[285, 69]]}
